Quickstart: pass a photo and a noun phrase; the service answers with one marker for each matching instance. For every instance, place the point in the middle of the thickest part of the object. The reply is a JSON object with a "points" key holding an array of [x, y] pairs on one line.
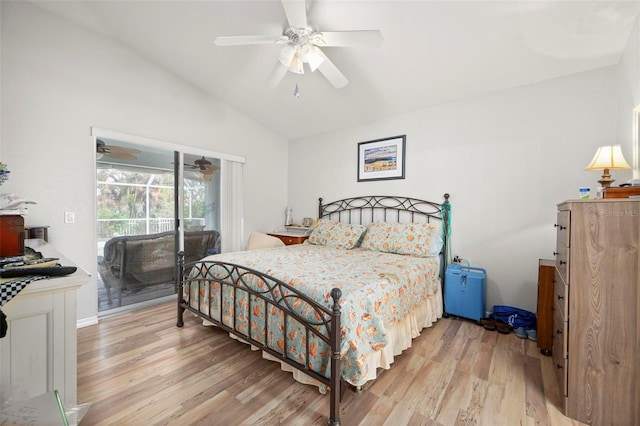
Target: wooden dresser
{"points": [[596, 339]]}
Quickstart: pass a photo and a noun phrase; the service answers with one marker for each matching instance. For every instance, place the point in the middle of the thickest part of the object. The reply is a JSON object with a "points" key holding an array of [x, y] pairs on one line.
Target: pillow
{"points": [[416, 239], [336, 234]]}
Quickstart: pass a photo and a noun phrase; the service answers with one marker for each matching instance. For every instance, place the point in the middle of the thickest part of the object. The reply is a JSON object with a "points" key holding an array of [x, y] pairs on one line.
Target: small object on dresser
{"points": [[12, 231], [584, 192], [36, 232]]}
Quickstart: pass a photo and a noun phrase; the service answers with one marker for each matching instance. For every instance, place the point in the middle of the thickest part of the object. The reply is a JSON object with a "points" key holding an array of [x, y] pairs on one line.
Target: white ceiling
{"points": [[433, 52]]}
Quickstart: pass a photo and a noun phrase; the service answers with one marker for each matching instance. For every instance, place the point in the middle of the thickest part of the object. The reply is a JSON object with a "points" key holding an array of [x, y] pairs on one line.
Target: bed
{"points": [[339, 307]]}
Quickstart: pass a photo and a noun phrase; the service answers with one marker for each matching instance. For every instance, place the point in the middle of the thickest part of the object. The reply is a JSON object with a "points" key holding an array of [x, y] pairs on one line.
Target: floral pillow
{"points": [[416, 239], [336, 234]]}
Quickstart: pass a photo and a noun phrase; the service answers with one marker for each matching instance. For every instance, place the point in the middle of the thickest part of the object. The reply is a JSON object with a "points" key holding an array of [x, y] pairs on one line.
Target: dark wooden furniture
{"points": [[597, 310], [546, 272], [621, 192], [287, 303], [289, 239], [41, 232], [11, 235]]}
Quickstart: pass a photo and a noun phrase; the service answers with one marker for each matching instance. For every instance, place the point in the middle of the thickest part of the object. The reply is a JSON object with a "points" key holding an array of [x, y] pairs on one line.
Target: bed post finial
{"points": [[336, 294], [446, 197], [336, 380], [319, 207]]}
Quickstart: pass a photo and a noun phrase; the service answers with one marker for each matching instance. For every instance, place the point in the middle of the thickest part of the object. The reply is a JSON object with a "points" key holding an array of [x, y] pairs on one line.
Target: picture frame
{"points": [[382, 159]]}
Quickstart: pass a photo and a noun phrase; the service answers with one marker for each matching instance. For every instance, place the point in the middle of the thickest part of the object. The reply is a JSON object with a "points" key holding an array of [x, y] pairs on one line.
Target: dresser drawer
{"points": [[560, 298], [563, 239], [563, 220], [562, 262], [560, 331], [559, 351]]}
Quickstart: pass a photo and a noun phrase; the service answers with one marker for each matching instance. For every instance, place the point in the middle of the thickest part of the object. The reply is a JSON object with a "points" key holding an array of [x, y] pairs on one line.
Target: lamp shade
{"points": [[608, 157]]}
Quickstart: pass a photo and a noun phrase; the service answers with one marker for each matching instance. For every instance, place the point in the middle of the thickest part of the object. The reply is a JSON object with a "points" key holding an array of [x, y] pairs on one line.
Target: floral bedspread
{"points": [[378, 289]]}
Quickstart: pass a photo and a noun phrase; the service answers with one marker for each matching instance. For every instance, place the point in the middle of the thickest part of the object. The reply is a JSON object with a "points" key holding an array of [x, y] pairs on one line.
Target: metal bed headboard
{"points": [[384, 208], [375, 208]]}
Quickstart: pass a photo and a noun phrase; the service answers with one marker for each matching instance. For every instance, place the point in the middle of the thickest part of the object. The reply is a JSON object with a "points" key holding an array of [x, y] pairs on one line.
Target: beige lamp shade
{"points": [[606, 158]]}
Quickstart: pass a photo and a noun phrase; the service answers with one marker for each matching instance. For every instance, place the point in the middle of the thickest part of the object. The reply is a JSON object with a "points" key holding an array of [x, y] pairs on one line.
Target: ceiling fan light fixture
{"points": [[315, 59], [287, 54], [296, 66]]}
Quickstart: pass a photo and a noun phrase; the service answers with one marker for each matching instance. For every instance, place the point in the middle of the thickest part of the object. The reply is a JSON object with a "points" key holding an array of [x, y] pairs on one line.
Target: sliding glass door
{"points": [[151, 203]]}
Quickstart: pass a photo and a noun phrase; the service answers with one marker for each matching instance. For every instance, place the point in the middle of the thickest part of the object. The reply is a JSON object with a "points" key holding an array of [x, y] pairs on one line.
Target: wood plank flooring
{"points": [[138, 368]]}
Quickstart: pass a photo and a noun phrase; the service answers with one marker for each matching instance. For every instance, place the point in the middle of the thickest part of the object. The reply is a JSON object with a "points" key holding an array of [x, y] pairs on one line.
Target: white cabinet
{"points": [[39, 352]]}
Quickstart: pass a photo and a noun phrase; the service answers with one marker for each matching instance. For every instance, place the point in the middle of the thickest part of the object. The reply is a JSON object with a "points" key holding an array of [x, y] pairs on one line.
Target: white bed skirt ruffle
{"points": [[400, 337]]}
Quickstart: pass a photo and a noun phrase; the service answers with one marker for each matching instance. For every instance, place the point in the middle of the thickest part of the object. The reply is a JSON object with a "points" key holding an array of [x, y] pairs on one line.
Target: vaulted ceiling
{"points": [[433, 52]]}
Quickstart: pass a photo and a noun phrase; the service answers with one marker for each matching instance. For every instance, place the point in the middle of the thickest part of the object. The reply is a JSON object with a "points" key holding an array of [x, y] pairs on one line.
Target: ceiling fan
{"points": [[206, 167], [114, 151], [302, 45]]}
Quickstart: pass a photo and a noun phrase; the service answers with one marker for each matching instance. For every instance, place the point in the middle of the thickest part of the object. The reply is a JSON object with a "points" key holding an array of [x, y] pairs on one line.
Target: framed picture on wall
{"points": [[381, 159]]}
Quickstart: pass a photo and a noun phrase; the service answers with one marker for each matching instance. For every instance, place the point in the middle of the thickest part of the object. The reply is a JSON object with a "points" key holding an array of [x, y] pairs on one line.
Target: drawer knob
{"points": [[558, 332], [562, 228], [559, 367], [560, 297], [562, 262], [555, 253]]}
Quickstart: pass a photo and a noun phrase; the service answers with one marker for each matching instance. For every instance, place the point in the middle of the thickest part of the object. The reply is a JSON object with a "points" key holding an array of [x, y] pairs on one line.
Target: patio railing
{"points": [[109, 228]]}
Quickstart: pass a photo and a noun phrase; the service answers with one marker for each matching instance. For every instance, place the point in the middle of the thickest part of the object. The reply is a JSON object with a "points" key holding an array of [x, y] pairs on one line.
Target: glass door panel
{"points": [[201, 206], [139, 215], [136, 222]]}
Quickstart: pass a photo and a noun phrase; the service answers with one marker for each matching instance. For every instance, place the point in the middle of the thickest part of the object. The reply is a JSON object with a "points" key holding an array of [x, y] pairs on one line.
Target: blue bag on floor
{"points": [[515, 317]]}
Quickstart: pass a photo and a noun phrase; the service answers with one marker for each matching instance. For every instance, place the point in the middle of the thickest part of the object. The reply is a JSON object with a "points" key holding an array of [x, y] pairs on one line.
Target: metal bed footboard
{"points": [[319, 322]]}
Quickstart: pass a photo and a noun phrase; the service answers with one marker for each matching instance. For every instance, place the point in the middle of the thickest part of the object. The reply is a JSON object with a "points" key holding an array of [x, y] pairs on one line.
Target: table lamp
{"points": [[606, 158]]}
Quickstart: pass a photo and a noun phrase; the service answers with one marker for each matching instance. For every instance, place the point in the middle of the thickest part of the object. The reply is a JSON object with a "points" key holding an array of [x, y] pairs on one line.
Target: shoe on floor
{"points": [[503, 327], [521, 333], [488, 323], [532, 335]]}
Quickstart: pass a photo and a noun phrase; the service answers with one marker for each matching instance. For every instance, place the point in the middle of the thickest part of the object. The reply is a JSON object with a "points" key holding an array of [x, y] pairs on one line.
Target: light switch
{"points": [[69, 217]]}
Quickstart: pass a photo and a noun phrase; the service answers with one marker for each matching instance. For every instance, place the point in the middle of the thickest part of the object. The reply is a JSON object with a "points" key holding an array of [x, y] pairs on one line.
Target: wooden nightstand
{"points": [[289, 239], [546, 289]]}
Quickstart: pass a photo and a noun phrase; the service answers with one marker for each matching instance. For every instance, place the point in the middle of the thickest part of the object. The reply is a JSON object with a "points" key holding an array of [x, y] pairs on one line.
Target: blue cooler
{"points": [[464, 291]]}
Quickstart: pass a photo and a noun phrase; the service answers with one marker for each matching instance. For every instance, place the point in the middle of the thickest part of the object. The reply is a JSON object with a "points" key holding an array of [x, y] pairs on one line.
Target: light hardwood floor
{"points": [[138, 368]]}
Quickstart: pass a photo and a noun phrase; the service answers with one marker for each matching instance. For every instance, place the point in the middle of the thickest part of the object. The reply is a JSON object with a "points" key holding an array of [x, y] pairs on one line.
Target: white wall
{"points": [[628, 78], [507, 159], [59, 79]]}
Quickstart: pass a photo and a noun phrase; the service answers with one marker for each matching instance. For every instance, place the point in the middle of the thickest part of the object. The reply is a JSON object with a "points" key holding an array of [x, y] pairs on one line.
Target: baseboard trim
{"points": [[85, 322]]}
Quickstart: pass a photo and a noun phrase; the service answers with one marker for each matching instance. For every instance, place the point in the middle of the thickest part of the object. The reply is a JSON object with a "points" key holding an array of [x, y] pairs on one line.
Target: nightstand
{"points": [[288, 238], [546, 289]]}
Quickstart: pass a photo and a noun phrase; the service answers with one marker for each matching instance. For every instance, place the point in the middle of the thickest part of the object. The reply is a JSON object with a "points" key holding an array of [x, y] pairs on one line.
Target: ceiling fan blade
{"points": [[114, 149], [121, 156], [331, 72], [277, 75], [364, 38], [246, 40], [209, 169], [296, 11]]}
